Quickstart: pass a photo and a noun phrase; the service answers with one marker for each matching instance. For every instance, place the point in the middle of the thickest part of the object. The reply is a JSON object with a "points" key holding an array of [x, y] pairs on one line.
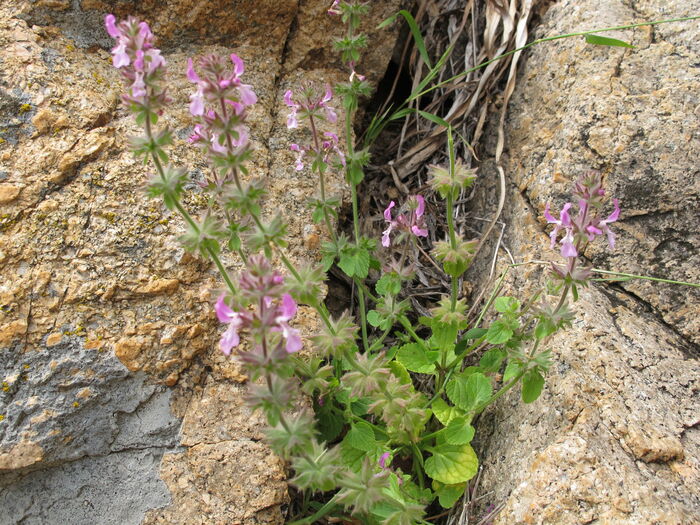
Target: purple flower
{"points": [[312, 104], [292, 121], [286, 310], [230, 339], [299, 164], [328, 146], [597, 227], [568, 249], [334, 9], [410, 222], [383, 459], [138, 61]]}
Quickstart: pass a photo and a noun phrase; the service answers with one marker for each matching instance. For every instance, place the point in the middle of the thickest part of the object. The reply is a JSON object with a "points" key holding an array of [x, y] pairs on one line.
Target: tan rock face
{"points": [[614, 437], [98, 301]]}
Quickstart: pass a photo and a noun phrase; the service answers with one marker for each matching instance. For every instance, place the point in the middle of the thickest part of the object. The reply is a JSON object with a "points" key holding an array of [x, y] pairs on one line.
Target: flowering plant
{"points": [[386, 435]]}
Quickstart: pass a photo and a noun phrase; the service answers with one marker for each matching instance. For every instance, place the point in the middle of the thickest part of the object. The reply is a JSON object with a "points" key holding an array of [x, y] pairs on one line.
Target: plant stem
{"points": [[185, 215], [328, 507], [407, 325]]}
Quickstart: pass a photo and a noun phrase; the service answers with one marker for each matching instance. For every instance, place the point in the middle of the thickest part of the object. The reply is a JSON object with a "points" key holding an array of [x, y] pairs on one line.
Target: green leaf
{"points": [[499, 332], [361, 437], [506, 304], [459, 432], [415, 31], [355, 262], [512, 370], [400, 372], [444, 412], [606, 41], [444, 335], [373, 318], [469, 392], [451, 464], [433, 118], [415, 359], [330, 422], [544, 328], [475, 333], [532, 385], [449, 494], [492, 359], [388, 283]]}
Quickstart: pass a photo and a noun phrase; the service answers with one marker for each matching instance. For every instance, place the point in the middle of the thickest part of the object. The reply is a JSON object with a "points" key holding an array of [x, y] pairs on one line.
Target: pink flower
{"points": [[383, 459], [334, 9], [230, 339], [299, 164], [600, 227], [292, 121], [286, 311], [410, 222], [568, 249], [110, 24]]}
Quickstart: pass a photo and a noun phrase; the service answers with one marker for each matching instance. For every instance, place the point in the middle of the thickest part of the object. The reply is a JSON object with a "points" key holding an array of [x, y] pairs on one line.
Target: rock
{"points": [[98, 298], [614, 437]]}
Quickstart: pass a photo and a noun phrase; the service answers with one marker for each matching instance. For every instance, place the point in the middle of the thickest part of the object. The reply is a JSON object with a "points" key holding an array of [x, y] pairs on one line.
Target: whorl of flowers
{"points": [[262, 288], [139, 62], [585, 225], [410, 221], [220, 101]]}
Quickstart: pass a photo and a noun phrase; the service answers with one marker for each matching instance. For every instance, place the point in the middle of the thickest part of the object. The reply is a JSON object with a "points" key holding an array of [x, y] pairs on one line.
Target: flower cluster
{"points": [[272, 310], [328, 145], [138, 61], [411, 221], [220, 101], [310, 105], [586, 225]]}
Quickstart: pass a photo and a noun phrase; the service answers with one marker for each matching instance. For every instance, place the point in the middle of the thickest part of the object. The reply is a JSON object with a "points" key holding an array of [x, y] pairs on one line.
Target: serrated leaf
{"points": [[459, 432], [400, 372], [499, 332], [512, 370], [388, 283], [444, 412], [492, 359], [444, 335], [373, 318], [361, 437], [506, 304], [606, 41], [544, 328], [452, 464], [415, 359], [449, 494], [469, 392], [532, 386]]}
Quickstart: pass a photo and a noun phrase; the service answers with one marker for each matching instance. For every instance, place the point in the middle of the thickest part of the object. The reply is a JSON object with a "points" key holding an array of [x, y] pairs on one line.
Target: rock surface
{"points": [[116, 404], [615, 437]]}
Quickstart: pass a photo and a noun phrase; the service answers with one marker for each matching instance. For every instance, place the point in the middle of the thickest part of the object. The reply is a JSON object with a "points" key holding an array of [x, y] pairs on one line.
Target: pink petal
{"points": [[386, 240], [564, 218], [548, 215], [331, 115], [110, 24], [230, 339], [248, 96], [191, 74], [329, 94], [387, 212], [138, 61], [223, 311], [288, 307], [238, 65], [421, 205], [383, 458], [419, 232], [288, 99], [615, 214], [611, 237], [293, 338], [121, 58], [197, 103]]}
